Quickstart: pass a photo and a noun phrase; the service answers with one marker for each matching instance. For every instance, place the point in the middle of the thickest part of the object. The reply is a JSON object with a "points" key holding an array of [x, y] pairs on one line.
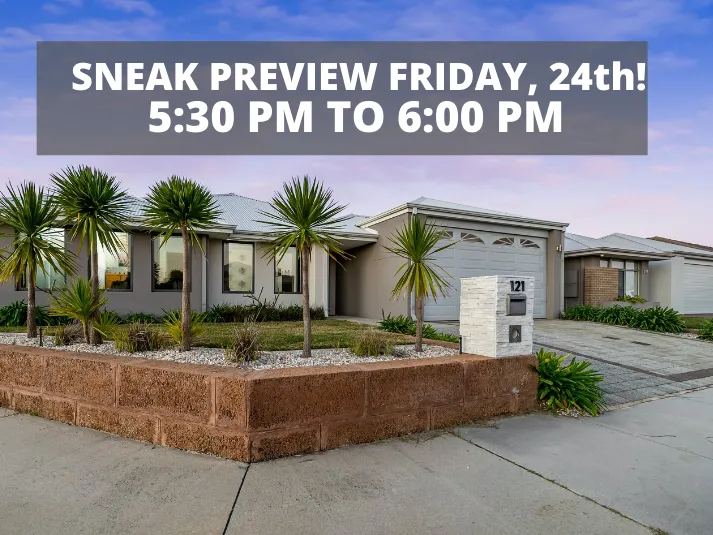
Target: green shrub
{"points": [[172, 321], [617, 315], [107, 322], [139, 337], [658, 319], [431, 333], [371, 343], [633, 299], [141, 317], [15, 315], [72, 333], [398, 324], [244, 343], [706, 330], [76, 302], [573, 385], [581, 313]]}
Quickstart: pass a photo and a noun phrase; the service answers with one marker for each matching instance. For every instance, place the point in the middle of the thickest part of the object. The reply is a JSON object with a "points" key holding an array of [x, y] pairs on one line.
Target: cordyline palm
{"points": [[95, 206], [304, 216], [420, 276], [30, 214], [182, 205], [77, 302]]}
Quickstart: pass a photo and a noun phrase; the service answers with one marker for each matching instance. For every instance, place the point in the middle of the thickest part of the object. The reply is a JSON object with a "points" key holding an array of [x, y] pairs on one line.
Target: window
{"points": [[447, 235], [288, 273], [49, 277], [628, 275], [238, 262], [115, 269], [504, 241], [168, 264], [470, 237], [528, 244]]}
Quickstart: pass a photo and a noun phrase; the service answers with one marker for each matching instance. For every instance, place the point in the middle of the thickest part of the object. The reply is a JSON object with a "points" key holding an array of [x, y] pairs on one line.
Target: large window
{"points": [[238, 262], [168, 264], [49, 277], [115, 269], [287, 273]]}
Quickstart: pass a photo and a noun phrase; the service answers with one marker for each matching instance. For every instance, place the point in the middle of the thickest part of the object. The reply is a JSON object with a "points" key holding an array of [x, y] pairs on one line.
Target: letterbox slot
{"points": [[516, 305]]}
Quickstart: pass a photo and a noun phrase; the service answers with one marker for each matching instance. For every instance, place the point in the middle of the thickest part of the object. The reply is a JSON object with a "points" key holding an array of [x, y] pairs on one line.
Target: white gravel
{"points": [[267, 359]]}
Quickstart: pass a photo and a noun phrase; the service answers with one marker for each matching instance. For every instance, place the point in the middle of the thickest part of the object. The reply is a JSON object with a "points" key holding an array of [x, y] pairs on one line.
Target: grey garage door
{"points": [[488, 253], [697, 288]]}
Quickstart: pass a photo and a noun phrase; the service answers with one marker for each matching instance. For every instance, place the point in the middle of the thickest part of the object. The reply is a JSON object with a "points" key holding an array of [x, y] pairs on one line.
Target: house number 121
{"points": [[517, 286]]}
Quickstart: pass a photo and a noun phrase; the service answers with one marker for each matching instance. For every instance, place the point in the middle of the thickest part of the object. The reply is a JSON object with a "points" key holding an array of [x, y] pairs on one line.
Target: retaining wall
{"points": [[258, 415]]}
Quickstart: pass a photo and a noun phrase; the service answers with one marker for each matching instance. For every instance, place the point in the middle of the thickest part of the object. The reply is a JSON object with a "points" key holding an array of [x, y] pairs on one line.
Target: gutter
{"points": [[605, 251]]}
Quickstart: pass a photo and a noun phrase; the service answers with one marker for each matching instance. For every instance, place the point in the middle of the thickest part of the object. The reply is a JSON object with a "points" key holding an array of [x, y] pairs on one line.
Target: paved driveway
{"points": [[636, 365]]}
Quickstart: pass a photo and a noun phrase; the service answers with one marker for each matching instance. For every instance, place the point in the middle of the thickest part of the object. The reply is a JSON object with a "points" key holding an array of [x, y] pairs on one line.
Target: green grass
{"points": [[278, 335], [694, 322]]}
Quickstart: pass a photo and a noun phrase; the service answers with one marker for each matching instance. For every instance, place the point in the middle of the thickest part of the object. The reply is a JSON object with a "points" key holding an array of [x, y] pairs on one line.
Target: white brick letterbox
{"points": [[496, 315]]}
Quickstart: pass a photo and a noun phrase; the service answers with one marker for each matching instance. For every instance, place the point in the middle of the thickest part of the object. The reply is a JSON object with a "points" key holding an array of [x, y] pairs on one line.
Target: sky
{"points": [[667, 193]]}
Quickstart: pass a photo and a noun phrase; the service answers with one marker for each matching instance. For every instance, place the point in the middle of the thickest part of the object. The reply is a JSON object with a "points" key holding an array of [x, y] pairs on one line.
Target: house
{"points": [[673, 273], [148, 276]]}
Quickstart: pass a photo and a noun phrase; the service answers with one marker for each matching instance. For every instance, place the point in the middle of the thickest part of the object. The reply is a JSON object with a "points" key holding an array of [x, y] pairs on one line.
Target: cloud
{"points": [[672, 60], [102, 30], [131, 6], [17, 38]]}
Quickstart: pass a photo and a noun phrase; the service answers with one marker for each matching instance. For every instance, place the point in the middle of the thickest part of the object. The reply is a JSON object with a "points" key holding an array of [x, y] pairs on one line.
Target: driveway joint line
{"points": [[555, 482], [235, 501]]}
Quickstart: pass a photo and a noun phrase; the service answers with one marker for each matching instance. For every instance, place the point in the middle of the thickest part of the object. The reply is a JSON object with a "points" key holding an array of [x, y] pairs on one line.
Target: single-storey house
{"points": [[148, 277], [673, 273]]}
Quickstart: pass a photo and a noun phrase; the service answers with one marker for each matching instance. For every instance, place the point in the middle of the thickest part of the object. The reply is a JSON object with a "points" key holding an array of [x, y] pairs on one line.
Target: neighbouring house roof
{"points": [[684, 243], [625, 244], [440, 208]]}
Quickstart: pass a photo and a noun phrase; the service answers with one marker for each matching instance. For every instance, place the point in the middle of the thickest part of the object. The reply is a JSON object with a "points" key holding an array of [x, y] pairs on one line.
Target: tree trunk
{"points": [[31, 316], [86, 330], [186, 293], [419, 323], [95, 338], [306, 318]]}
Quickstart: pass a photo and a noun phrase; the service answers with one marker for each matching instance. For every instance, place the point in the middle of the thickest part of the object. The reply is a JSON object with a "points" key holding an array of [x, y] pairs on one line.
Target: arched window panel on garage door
{"points": [[469, 237], [524, 242], [504, 241], [447, 235]]}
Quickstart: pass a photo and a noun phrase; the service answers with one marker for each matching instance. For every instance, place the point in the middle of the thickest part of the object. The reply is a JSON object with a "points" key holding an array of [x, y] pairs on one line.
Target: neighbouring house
{"points": [[673, 273], [148, 277]]}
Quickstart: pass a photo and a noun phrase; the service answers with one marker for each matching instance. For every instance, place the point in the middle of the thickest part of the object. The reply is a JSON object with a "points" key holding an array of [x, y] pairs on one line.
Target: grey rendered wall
{"points": [[140, 299], [365, 283], [555, 274], [644, 280]]}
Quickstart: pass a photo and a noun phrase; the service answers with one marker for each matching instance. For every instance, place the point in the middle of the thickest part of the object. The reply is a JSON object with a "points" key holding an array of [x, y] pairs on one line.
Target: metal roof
{"points": [[628, 243]]}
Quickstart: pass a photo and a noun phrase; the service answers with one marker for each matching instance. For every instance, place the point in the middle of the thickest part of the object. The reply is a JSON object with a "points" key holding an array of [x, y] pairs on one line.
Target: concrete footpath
{"points": [[61, 480]]}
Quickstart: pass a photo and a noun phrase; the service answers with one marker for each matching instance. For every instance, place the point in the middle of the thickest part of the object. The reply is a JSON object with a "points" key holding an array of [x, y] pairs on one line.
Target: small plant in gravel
{"points": [[107, 322], [562, 386], [139, 337], [65, 335], [244, 346], [77, 302], [371, 343], [705, 331], [175, 327]]}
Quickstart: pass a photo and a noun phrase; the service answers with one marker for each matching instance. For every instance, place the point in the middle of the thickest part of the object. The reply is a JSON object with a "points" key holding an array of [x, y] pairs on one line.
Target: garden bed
{"points": [[252, 415]]}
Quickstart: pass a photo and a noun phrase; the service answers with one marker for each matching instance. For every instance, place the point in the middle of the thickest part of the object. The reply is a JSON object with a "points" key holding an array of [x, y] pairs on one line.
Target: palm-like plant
{"points": [[77, 301], [30, 213], [95, 207], [182, 205], [420, 275], [304, 216]]}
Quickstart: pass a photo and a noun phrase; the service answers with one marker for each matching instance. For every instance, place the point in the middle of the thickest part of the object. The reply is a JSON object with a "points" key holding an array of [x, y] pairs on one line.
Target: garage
{"points": [[697, 287], [479, 253]]}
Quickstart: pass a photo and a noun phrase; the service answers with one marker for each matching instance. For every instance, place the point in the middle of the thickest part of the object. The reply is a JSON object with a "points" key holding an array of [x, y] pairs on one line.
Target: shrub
{"points": [[172, 321], [15, 315], [706, 330], [244, 346], [107, 322], [581, 313], [573, 385], [617, 315], [658, 319], [371, 343], [141, 317], [76, 302], [259, 310], [72, 333], [140, 337], [398, 324], [634, 299], [432, 334]]}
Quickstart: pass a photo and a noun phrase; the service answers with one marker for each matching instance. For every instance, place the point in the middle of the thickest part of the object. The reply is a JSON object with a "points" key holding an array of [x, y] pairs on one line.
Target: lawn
{"points": [[694, 322], [278, 335]]}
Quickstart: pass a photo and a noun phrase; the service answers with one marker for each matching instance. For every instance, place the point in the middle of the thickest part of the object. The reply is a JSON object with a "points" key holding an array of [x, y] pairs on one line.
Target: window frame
{"points": [[222, 268], [636, 270], [131, 263], [153, 262], [298, 276]]}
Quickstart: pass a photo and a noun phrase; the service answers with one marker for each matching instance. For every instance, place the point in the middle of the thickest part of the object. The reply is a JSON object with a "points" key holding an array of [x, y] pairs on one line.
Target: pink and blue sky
{"points": [[666, 193]]}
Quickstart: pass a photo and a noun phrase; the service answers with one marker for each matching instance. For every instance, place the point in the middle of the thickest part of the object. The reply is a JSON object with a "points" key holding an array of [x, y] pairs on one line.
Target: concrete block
{"points": [[138, 426], [86, 379], [204, 439], [21, 369], [284, 442], [482, 409], [369, 429], [231, 401], [48, 407]]}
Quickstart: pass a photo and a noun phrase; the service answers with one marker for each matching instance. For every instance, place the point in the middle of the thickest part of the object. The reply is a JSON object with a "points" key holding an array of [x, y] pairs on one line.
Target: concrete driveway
{"points": [[636, 365]]}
